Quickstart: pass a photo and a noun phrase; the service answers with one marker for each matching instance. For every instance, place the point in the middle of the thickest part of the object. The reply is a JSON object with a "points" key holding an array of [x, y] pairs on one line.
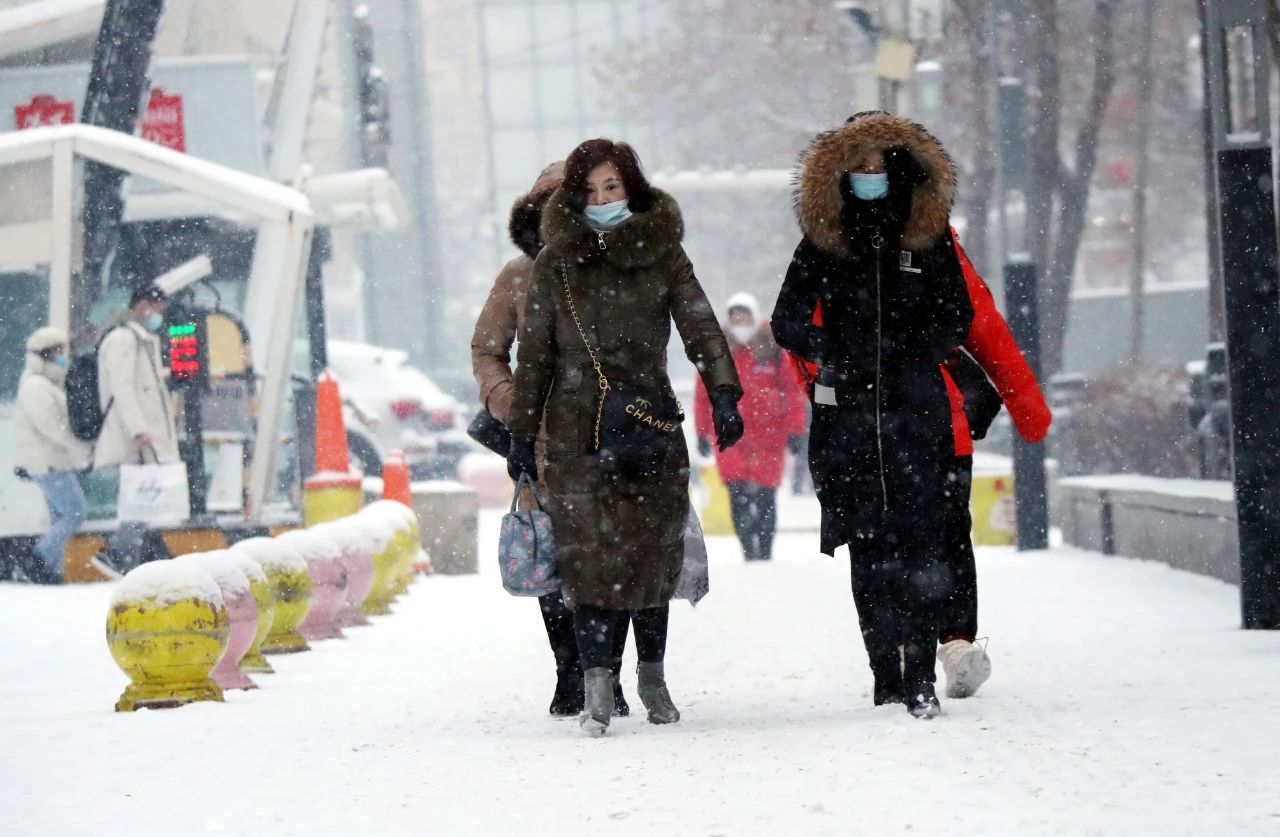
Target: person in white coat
{"points": [[139, 424], [45, 450]]}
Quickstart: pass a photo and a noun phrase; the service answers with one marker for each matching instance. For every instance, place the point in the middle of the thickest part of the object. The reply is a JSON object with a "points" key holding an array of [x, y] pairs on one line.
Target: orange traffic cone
{"points": [[395, 486], [331, 432], [395, 479], [333, 491]]}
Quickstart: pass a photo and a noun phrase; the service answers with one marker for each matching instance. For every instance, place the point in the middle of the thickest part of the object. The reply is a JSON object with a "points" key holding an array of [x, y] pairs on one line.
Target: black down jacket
{"points": [[893, 305]]}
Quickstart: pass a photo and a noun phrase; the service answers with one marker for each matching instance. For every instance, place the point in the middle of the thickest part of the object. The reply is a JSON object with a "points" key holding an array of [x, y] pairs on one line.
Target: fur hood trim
{"points": [[818, 197], [639, 241], [526, 212]]}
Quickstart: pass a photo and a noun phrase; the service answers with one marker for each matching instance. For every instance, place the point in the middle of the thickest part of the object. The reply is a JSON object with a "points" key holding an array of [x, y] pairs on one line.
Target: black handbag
{"points": [[490, 432], [634, 427]]}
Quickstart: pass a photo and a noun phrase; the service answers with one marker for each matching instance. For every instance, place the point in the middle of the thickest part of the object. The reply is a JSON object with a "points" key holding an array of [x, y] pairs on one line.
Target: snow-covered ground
{"points": [[1124, 701]]}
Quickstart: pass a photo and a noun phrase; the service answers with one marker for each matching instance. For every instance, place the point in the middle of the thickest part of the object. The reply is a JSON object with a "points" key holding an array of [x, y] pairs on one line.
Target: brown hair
{"points": [[595, 152]]}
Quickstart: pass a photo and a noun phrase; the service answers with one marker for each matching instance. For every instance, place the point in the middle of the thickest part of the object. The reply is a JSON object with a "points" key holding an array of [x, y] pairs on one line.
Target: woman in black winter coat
{"points": [[876, 298]]}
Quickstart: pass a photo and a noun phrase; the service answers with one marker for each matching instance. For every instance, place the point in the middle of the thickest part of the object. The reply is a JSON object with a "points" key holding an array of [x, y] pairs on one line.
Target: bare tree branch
{"points": [[1056, 282]]}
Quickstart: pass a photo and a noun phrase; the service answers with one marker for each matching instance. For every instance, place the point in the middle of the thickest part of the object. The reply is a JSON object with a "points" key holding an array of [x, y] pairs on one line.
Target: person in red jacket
{"points": [[774, 411], [987, 372]]}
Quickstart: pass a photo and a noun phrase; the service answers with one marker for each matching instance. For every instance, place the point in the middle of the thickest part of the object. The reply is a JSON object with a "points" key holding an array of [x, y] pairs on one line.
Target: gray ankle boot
{"points": [[654, 695], [599, 700]]}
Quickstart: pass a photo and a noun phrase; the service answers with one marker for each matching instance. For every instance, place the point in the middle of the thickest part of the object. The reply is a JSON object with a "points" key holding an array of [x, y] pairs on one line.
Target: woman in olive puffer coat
{"points": [[613, 244]]}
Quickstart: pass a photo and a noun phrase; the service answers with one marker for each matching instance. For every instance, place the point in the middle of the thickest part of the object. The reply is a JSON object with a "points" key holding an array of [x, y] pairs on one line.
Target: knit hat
{"points": [[147, 293], [744, 300], [46, 338]]}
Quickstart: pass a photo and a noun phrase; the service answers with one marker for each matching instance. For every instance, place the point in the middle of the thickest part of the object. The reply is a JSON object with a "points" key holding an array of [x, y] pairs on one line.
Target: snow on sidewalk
{"points": [[1124, 700]]}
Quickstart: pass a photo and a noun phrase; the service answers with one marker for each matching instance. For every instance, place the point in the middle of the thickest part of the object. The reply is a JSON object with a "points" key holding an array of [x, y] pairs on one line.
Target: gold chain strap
{"points": [[595, 362]]}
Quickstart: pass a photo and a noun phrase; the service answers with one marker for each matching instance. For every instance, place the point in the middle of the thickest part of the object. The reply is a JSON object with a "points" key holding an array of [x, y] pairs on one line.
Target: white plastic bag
{"points": [[695, 577], [155, 494]]}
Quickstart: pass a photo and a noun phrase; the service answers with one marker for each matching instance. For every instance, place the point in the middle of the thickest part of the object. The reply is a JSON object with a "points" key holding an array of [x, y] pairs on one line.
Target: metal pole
{"points": [[1239, 68], [1029, 484]]}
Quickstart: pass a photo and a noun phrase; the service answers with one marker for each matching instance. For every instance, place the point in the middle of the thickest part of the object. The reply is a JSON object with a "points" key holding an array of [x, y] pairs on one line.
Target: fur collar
{"points": [[639, 241], [818, 197], [526, 212]]}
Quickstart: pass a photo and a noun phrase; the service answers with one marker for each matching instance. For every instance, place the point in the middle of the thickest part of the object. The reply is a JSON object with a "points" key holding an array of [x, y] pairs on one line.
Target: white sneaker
{"points": [[101, 563], [966, 666]]}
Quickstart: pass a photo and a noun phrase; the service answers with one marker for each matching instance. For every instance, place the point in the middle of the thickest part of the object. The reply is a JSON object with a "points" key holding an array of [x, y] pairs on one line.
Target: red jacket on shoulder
{"points": [[991, 344]]}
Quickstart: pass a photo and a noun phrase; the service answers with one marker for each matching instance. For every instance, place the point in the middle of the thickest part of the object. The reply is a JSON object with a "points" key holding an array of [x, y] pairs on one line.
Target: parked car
{"points": [[402, 408]]}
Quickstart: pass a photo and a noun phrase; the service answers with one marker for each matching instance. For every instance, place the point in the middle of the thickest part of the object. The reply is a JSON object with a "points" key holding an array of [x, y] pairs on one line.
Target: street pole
{"points": [[1030, 492], [1021, 283], [1239, 68]]}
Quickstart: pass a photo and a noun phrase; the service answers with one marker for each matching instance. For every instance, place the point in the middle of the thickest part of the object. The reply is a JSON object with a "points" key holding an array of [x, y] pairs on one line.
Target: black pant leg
{"points": [[873, 573], [740, 496], [619, 646], [767, 524], [558, 621], [594, 627], [958, 618], [651, 633]]}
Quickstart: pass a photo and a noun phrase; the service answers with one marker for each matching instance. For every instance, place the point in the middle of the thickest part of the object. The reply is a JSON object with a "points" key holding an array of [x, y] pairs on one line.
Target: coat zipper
{"points": [[600, 241], [877, 242]]}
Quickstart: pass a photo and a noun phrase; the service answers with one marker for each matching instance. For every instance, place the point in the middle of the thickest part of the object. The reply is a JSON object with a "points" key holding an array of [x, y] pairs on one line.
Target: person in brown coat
{"points": [[608, 284], [496, 328]]}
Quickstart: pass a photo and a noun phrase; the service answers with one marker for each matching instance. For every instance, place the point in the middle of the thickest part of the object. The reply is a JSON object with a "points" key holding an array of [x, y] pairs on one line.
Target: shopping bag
{"points": [[527, 548], [155, 493], [695, 575]]}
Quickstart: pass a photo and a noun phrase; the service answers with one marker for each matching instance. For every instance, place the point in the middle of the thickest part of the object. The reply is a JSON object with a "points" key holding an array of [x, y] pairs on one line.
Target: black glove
{"points": [[521, 458], [795, 444], [704, 446], [982, 401], [726, 418]]}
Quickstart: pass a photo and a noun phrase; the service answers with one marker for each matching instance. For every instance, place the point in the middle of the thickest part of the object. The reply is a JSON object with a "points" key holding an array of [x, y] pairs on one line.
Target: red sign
{"points": [[43, 110], [163, 123]]}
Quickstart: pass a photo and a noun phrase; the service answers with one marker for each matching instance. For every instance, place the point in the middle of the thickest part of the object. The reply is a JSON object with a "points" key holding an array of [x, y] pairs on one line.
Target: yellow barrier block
{"points": [[290, 587], [253, 661], [717, 519], [991, 504], [167, 628], [322, 503]]}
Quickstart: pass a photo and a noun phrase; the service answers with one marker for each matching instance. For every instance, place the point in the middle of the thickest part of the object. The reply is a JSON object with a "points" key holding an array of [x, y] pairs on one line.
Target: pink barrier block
{"points": [[328, 582]]}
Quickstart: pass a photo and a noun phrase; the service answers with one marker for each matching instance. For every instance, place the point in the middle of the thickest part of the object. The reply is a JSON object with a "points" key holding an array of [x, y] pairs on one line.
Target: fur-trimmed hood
{"points": [[641, 240], [819, 196], [526, 213]]}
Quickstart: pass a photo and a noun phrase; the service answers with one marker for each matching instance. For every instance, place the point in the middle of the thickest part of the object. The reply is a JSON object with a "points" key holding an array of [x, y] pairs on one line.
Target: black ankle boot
{"points": [[922, 702], [620, 706], [888, 689], [918, 678], [569, 697]]}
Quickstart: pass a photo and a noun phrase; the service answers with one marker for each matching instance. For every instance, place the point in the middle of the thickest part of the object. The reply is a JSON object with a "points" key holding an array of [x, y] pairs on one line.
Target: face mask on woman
{"points": [[743, 332], [606, 216], [60, 361], [154, 322], [869, 187]]}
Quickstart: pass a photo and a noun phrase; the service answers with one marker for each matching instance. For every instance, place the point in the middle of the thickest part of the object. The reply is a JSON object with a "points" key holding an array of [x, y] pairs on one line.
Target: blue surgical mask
{"points": [[869, 187], [154, 322], [60, 361], [606, 216]]}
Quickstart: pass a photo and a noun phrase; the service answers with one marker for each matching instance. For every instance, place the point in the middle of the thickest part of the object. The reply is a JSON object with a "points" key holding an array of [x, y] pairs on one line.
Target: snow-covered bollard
{"points": [[167, 628], [358, 547], [387, 558], [328, 581], [242, 613], [265, 607], [290, 585], [409, 545]]}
